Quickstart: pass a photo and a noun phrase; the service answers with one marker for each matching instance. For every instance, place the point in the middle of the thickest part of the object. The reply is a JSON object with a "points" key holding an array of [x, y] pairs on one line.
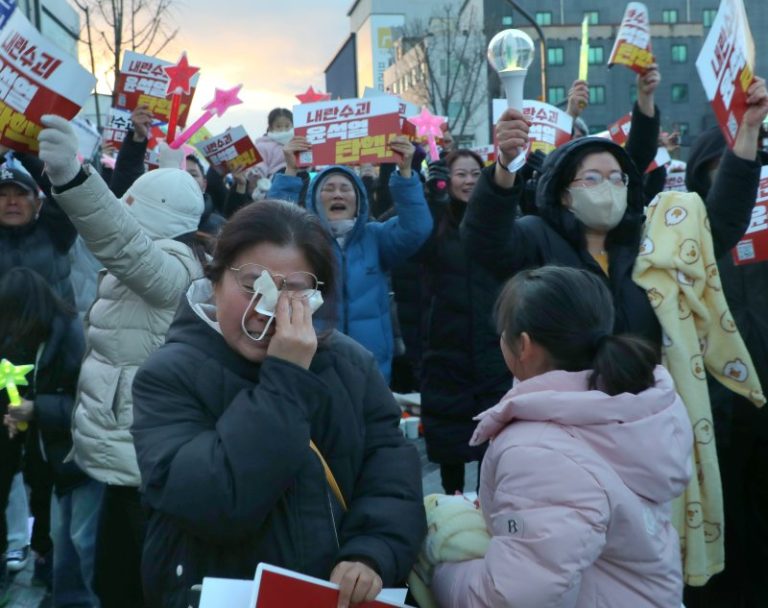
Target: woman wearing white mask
{"points": [[590, 205], [270, 145]]}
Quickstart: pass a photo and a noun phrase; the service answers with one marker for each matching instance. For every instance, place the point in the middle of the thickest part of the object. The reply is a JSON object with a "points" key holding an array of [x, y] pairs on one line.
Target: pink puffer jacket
{"points": [[575, 490]]}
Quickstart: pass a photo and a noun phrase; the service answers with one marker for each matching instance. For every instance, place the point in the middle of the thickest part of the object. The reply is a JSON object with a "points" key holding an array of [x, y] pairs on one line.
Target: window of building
{"points": [[679, 53], [556, 95], [597, 95], [544, 18], [596, 55], [708, 16], [506, 20], [669, 15], [593, 17], [555, 55], [679, 93]]}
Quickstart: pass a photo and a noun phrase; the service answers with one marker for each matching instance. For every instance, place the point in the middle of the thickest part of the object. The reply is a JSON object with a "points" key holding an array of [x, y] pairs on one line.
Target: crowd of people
{"points": [[215, 358]]}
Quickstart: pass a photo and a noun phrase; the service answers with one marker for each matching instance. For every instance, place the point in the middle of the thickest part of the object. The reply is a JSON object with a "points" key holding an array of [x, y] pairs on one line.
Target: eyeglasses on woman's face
{"points": [[297, 284], [592, 179]]}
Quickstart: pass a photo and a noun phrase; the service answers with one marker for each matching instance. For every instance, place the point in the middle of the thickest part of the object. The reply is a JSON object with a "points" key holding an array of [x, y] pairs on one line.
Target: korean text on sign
{"points": [[230, 151], [143, 82], [725, 66], [754, 246], [550, 126], [633, 40], [349, 131], [36, 78]]}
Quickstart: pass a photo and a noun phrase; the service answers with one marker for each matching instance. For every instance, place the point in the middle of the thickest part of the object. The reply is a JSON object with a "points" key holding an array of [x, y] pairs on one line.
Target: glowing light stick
{"points": [[430, 126], [222, 101], [179, 76], [12, 376]]}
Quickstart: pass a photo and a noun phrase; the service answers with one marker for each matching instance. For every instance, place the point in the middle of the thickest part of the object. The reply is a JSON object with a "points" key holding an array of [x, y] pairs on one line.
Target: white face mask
{"points": [[281, 137], [265, 287], [600, 208]]}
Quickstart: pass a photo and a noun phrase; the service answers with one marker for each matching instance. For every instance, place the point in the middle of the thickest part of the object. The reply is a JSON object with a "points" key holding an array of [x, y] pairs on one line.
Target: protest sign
{"points": [[407, 109], [662, 158], [230, 151], [633, 40], [550, 126], [36, 78], [144, 81], [618, 132], [348, 131], [725, 65], [675, 177], [116, 130], [754, 246], [277, 588], [88, 138], [487, 153]]}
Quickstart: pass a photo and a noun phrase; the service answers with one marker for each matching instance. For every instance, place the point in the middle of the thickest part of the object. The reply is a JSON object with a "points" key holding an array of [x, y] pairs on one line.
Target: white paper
{"points": [[226, 593]]}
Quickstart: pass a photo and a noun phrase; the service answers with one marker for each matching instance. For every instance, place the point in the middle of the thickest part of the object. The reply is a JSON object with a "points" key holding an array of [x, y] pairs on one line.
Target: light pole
{"points": [[542, 46]]}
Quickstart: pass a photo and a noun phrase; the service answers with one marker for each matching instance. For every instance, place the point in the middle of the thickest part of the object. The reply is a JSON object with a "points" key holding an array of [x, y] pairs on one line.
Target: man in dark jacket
{"points": [[34, 233], [741, 429]]}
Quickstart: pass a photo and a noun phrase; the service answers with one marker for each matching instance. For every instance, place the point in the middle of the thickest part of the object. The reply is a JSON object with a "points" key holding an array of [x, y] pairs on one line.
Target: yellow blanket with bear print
{"points": [[677, 268]]}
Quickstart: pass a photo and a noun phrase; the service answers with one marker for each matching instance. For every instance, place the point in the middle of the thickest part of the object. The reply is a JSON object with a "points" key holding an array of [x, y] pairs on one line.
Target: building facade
{"points": [[678, 30]]}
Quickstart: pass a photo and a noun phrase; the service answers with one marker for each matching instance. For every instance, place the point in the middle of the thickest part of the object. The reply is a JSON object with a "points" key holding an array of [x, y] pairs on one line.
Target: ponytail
{"points": [[623, 364], [569, 312]]}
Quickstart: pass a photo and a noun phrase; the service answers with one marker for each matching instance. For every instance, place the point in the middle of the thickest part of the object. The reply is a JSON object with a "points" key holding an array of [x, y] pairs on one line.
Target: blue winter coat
{"points": [[369, 252]]}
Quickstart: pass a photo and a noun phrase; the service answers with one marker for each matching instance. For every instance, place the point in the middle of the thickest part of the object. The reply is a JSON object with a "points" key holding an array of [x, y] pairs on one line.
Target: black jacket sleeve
{"points": [[385, 523], [129, 165], [491, 234], [643, 140], [57, 224], [234, 201], [731, 199], [221, 478]]}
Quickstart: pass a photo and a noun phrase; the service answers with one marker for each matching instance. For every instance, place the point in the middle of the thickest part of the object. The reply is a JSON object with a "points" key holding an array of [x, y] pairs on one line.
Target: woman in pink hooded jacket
{"points": [[587, 450]]}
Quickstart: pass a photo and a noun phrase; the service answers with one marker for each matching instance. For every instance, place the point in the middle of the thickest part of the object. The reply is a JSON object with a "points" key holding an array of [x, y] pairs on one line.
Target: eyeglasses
{"points": [[301, 285], [592, 179]]}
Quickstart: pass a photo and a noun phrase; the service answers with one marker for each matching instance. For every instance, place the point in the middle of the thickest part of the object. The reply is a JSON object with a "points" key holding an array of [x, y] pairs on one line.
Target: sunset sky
{"points": [[275, 49]]}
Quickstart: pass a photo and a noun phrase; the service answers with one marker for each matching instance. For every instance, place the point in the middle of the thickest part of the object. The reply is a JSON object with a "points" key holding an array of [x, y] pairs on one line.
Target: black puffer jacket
{"points": [[745, 287], [54, 387], [43, 244], [463, 372], [230, 479], [505, 244]]}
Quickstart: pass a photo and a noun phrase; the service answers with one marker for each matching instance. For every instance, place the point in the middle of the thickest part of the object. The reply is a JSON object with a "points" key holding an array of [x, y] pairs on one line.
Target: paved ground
{"points": [[25, 595]]}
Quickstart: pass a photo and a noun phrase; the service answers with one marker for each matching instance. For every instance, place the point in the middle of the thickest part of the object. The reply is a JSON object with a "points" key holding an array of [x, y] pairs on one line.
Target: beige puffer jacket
{"points": [[137, 297]]}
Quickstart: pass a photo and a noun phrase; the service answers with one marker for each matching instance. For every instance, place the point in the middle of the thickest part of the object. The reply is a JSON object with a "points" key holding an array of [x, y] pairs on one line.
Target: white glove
{"points": [[58, 149], [171, 159]]}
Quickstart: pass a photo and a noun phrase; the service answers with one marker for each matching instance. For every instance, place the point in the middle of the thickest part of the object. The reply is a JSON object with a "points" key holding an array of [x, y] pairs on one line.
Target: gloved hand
{"points": [[438, 177], [169, 158], [58, 149]]}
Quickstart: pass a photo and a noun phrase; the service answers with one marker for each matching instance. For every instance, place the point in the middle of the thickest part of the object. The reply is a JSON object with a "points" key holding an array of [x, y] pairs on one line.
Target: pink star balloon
{"points": [[311, 96], [430, 126], [222, 101]]}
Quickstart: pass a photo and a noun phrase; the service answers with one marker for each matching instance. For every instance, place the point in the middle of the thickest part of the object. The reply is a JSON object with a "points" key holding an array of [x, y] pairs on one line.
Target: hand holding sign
{"points": [[647, 83], [745, 145], [297, 145], [578, 98], [405, 149], [357, 583]]}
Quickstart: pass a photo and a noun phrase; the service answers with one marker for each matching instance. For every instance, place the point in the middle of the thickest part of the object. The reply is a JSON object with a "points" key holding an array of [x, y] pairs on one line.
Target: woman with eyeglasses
{"points": [[237, 414], [590, 215], [462, 372]]}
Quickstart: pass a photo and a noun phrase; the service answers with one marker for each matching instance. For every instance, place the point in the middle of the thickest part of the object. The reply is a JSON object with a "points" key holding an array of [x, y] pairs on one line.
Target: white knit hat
{"points": [[166, 202]]}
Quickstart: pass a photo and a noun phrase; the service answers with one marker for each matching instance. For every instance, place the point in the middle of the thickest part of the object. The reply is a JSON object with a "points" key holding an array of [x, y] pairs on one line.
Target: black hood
{"points": [[708, 146], [551, 184]]}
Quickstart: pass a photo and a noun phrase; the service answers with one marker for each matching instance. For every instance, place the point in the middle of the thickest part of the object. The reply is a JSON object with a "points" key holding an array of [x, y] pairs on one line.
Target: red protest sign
{"points": [[725, 66], [116, 130], [348, 131], [754, 246], [144, 81], [633, 40], [277, 588], [36, 78], [618, 132], [230, 151], [550, 127]]}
